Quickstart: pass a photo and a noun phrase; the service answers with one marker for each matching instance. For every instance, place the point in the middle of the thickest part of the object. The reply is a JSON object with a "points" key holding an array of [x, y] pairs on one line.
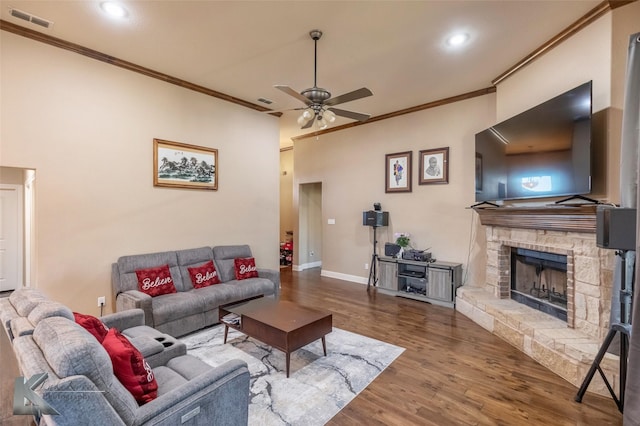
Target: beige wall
{"points": [[87, 128], [286, 192], [350, 164]]}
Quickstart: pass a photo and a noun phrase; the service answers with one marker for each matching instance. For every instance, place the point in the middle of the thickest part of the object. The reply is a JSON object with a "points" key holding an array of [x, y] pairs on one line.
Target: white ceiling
{"points": [[242, 48]]}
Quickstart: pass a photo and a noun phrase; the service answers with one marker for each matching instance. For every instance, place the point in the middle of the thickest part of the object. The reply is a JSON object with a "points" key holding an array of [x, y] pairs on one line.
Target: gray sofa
{"points": [[80, 382], [189, 309], [82, 388]]}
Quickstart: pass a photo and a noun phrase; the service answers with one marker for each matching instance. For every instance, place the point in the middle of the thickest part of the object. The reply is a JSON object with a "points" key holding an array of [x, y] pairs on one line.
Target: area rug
{"points": [[318, 387]]}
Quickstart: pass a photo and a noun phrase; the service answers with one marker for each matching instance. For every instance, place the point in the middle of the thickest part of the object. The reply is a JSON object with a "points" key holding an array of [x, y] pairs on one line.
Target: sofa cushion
{"points": [[127, 265], [92, 324], [233, 291], [173, 307], [223, 257], [25, 299], [49, 308], [155, 281], [245, 268], [204, 275], [168, 379], [130, 367], [192, 258]]}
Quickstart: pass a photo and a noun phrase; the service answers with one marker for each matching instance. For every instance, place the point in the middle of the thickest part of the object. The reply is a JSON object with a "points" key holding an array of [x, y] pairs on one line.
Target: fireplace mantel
{"points": [[580, 218]]}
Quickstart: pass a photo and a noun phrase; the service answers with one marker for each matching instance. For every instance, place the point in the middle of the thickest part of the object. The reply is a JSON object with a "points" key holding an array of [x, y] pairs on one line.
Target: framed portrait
{"points": [[398, 172], [180, 165], [478, 172], [434, 166]]}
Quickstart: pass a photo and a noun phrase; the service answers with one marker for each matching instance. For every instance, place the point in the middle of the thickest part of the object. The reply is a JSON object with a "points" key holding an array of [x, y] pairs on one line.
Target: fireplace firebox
{"points": [[539, 280]]}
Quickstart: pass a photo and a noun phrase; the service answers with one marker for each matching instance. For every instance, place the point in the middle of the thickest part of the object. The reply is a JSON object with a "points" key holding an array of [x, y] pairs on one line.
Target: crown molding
{"points": [[587, 19], [394, 114], [99, 56]]}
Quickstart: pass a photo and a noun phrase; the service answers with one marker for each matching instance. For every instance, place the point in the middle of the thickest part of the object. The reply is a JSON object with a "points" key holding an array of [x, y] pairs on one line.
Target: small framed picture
{"points": [[398, 172], [179, 165], [434, 166], [478, 172]]}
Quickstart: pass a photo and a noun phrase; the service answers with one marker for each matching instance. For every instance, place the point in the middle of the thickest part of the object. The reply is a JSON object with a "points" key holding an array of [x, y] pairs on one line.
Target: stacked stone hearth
{"points": [[567, 348]]}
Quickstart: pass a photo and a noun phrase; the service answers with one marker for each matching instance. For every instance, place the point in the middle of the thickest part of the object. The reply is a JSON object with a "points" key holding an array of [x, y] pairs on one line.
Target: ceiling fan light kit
{"points": [[318, 101]]}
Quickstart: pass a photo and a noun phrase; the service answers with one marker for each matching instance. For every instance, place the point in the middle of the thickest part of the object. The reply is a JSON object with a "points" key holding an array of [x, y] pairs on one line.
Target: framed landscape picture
{"points": [[398, 172], [434, 166], [180, 165]]}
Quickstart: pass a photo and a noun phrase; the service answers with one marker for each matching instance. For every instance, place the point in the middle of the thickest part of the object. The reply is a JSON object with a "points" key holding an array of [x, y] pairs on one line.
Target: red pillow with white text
{"points": [[92, 324], [155, 281], [130, 367], [204, 275], [245, 268]]}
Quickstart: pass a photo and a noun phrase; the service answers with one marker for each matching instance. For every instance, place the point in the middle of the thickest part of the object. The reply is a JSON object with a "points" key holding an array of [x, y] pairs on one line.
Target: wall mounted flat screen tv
{"points": [[542, 152]]}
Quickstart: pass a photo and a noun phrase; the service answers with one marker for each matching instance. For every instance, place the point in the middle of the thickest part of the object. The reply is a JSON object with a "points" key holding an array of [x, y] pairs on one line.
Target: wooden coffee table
{"points": [[283, 325]]}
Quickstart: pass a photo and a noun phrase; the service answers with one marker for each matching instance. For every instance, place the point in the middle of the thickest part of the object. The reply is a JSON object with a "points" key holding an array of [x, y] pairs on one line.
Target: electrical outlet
{"points": [[366, 266], [102, 301]]}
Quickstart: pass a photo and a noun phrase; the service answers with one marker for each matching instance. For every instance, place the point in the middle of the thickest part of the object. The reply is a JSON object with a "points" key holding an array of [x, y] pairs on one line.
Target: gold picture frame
{"points": [[398, 172], [180, 165], [434, 166]]}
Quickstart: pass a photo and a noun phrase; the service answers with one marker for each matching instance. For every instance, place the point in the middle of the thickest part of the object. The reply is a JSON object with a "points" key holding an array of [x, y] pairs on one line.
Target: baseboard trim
{"points": [[344, 277], [304, 266]]}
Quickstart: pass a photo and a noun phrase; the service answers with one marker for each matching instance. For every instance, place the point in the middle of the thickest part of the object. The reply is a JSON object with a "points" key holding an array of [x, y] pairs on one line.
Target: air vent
{"points": [[265, 101], [31, 18]]}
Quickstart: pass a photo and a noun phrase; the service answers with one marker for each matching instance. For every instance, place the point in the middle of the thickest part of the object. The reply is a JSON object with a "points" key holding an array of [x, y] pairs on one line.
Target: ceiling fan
{"points": [[318, 101]]}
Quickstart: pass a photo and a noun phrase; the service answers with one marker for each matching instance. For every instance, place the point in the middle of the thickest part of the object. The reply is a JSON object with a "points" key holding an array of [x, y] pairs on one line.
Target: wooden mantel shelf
{"points": [[580, 218]]}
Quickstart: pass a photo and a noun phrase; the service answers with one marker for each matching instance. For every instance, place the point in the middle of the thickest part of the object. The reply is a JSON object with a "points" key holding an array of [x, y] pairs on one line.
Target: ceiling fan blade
{"points": [[271, 111], [350, 114], [348, 97], [289, 91], [309, 123]]}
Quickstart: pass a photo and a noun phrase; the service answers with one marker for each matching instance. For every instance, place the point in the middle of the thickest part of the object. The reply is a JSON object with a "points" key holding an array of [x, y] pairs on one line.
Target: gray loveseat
{"points": [[82, 387], [189, 309]]}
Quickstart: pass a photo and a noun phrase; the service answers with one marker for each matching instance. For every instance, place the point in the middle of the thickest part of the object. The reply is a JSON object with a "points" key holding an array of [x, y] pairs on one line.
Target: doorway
{"points": [[16, 227], [308, 246]]}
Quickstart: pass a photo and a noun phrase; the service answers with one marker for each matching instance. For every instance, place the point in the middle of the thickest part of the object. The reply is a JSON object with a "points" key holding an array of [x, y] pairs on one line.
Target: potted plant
{"points": [[403, 239]]}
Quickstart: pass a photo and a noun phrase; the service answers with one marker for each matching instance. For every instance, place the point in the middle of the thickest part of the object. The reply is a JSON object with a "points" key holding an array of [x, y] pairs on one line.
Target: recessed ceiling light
{"points": [[458, 39], [114, 9]]}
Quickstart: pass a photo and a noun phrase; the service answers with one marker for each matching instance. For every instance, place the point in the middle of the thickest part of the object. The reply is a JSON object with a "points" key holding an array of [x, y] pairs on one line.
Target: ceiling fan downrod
{"points": [[315, 35]]}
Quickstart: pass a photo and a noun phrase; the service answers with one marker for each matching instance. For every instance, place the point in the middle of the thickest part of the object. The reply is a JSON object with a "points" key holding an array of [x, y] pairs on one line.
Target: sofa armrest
{"points": [[135, 299], [7, 314], [273, 276], [219, 396], [124, 319], [148, 346]]}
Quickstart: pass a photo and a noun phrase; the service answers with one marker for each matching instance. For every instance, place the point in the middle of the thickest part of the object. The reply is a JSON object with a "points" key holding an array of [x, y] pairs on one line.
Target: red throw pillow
{"points": [[155, 281], [245, 268], [92, 324], [204, 275], [130, 367]]}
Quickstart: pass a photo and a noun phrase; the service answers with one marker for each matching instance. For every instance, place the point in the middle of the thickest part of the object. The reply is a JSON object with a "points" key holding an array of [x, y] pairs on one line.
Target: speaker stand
{"points": [[624, 328], [373, 267]]}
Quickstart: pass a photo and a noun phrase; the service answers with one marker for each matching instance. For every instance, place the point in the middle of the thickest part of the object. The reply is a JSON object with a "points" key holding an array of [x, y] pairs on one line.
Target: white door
{"points": [[10, 237]]}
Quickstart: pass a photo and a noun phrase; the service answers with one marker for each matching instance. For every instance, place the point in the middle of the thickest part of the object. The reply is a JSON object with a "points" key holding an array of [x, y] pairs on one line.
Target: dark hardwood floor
{"points": [[453, 372]]}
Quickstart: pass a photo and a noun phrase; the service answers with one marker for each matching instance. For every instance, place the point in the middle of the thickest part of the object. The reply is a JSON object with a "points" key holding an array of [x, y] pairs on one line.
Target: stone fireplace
{"points": [[554, 247]]}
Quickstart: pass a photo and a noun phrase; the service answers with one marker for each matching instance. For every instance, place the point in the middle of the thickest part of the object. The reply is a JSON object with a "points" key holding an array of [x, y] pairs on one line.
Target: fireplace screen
{"points": [[539, 280]]}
